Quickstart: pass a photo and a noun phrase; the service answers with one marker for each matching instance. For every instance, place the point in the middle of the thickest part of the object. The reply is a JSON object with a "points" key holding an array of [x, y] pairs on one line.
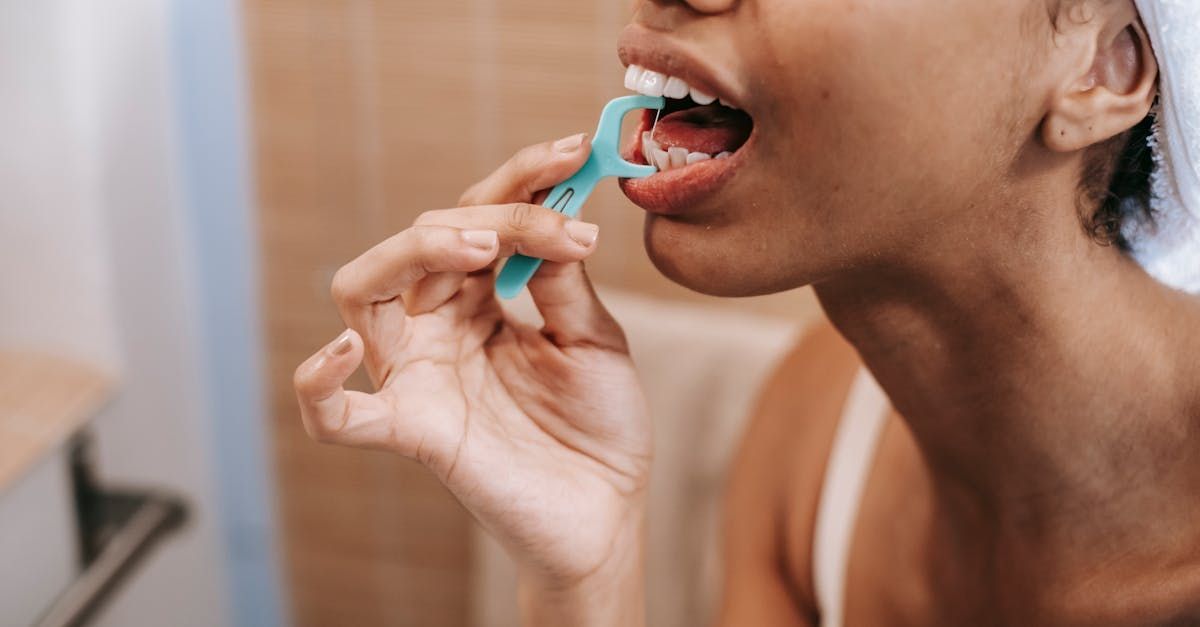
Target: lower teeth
{"points": [[674, 157]]}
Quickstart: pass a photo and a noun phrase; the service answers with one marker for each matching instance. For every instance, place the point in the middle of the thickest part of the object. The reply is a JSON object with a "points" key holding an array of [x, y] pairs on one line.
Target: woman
{"points": [[964, 184]]}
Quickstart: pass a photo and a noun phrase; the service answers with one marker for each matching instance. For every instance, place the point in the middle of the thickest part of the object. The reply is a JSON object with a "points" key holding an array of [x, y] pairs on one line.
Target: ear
{"points": [[1112, 86]]}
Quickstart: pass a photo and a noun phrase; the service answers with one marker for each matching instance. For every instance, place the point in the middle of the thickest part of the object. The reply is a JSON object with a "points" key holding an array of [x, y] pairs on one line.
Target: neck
{"points": [[1050, 392]]}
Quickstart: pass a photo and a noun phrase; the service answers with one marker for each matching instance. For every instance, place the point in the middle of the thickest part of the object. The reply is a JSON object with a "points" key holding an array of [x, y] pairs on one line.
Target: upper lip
{"points": [[639, 45]]}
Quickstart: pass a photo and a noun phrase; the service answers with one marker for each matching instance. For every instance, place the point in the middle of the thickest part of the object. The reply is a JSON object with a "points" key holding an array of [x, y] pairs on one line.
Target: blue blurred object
{"points": [[211, 107]]}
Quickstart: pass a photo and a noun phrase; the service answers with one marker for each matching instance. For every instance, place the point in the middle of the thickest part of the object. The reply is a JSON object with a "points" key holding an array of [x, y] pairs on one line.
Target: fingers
{"points": [[367, 290], [397, 266], [433, 258], [324, 405], [532, 169], [563, 294], [572, 312], [432, 292], [387, 270], [455, 241], [523, 228], [335, 416]]}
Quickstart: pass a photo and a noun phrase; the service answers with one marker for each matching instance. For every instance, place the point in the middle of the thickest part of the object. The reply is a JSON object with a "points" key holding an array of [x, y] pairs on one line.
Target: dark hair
{"points": [[1115, 184]]}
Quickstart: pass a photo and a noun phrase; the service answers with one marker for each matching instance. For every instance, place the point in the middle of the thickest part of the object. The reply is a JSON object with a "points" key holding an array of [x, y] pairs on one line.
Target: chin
{"points": [[700, 257]]}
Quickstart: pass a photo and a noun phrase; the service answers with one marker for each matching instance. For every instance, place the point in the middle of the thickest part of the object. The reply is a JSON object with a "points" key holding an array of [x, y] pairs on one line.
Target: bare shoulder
{"points": [[771, 498]]}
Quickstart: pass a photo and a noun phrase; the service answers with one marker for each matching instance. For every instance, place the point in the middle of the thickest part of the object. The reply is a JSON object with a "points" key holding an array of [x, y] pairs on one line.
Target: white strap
{"points": [[850, 458]]}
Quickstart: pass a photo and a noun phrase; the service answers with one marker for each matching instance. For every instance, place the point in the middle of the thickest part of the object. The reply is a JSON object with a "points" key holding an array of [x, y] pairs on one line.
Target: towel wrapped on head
{"points": [[1167, 242]]}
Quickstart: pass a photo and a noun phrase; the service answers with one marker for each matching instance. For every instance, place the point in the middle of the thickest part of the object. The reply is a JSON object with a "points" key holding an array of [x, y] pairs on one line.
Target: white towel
{"points": [[1167, 244]]}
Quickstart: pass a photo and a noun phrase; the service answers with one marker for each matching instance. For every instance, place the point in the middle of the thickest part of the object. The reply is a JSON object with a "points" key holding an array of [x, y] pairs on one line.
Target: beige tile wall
{"points": [[367, 112]]}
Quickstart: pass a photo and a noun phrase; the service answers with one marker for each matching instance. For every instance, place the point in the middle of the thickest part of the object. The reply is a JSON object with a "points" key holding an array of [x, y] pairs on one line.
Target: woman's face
{"points": [[880, 129]]}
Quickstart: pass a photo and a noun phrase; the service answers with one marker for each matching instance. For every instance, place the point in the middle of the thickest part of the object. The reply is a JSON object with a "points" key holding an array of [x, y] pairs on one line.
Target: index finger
{"points": [[523, 228], [384, 272], [531, 170]]}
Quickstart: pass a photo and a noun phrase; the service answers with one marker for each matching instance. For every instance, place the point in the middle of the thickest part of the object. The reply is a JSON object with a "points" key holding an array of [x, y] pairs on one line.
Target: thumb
{"points": [[325, 406], [572, 311]]}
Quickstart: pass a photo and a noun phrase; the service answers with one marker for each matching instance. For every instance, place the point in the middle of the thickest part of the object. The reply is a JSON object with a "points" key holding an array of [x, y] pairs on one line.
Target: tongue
{"points": [[710, 129]]}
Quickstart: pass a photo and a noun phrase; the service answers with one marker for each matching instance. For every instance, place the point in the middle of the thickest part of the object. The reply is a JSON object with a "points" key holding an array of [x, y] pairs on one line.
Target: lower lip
{"points": [[679, 191]]}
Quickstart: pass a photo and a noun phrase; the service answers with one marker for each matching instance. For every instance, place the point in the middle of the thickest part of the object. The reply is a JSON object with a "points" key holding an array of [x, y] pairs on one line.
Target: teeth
{"points": [[648, 144], [632, 76], [661, 160], [702, 98], [676, 88], [651, 83], [674, 157], [678, 156]]}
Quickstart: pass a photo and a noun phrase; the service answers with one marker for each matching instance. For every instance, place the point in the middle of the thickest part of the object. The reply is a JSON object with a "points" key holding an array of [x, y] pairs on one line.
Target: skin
{"points": [[1041, 466]]}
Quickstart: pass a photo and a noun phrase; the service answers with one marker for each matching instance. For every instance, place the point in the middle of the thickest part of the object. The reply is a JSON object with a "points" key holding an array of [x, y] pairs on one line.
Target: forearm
{"points": [[614, 595]]}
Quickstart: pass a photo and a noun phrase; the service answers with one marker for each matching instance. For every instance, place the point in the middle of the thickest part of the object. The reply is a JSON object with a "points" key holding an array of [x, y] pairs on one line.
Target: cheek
{"points": [[836, 122], [879, 110], [875, 122]]}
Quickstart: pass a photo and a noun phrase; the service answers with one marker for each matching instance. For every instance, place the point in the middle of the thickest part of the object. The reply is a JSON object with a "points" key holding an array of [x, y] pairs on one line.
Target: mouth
{"points": [[693, 128], [697, 142]]}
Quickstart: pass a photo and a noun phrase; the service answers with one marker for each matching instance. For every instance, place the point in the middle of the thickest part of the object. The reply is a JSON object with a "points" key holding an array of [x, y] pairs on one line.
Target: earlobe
{"points": [[1110, 96]]}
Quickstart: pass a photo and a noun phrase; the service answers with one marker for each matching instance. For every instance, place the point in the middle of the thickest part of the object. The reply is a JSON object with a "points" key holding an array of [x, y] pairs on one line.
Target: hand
{"points": [[543, 433]]}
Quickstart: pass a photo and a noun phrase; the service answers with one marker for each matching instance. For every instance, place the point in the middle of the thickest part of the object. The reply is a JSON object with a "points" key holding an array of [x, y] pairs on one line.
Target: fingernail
{"points": [[484, 240], [341, 345], [584, 233], [570, 144]]}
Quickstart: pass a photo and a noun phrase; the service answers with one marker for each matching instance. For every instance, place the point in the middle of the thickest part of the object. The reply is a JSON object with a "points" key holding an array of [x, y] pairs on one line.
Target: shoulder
{"points": [[775, 481]]}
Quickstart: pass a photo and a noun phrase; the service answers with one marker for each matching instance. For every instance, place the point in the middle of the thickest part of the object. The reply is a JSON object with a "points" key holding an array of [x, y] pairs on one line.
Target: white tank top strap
{"points": [[850, 461]]}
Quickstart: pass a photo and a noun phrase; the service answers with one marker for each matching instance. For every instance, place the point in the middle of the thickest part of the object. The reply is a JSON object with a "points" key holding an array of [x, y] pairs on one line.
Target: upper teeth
{"points": [[651, 83]]}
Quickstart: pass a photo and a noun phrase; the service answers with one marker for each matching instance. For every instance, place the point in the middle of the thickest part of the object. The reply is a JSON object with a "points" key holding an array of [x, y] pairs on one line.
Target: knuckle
{"points": [[341, 288], [304, 380], [529, 158], [322, 429], [525, 167], [522, 217], [465, 200], [300, 379], [424, 240], [432, 216]]}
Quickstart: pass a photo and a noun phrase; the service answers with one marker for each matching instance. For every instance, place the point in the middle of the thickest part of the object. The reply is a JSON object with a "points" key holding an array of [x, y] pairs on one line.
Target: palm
{"points": [[473, 395]]}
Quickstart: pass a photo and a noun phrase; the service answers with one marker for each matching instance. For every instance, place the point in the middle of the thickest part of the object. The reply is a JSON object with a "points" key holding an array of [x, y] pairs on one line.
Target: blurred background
{"points": [[179, 179]]}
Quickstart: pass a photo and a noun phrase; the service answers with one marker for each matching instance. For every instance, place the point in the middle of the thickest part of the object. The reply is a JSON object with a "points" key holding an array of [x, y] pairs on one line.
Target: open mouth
{"points": [[694, 128], [697, 142]]}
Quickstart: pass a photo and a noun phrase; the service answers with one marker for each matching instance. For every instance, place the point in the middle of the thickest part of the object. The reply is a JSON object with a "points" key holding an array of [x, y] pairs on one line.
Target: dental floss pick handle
{"points": [[568, 197]]}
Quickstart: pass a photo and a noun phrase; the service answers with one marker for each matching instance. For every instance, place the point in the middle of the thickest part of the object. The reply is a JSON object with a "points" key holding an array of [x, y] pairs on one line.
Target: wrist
{"points": [[610, 595]]}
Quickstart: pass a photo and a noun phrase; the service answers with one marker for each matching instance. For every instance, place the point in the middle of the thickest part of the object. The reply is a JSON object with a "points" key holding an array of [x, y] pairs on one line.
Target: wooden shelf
{"points": [[43, 401]]}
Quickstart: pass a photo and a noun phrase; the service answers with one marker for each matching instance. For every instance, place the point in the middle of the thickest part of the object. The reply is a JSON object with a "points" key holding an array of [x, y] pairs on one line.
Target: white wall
{"points": [[93, 262], [54, 268]]}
